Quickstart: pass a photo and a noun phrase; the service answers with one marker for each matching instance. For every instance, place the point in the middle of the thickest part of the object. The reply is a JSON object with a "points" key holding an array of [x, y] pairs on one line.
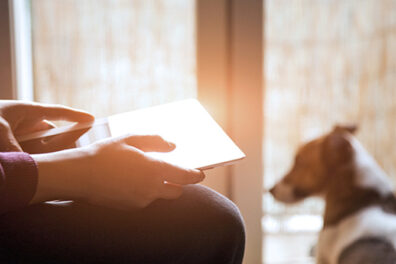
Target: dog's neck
{"points": [[345, 196], [357, 185]]}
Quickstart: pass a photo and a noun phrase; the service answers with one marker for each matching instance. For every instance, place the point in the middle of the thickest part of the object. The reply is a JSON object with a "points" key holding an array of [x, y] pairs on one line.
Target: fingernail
{"points": [[201, 176], [171, 145]]}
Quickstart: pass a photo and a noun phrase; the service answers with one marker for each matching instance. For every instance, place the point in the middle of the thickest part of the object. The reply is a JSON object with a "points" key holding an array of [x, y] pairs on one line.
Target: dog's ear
{"points": [[351, 128], [336, 149]]}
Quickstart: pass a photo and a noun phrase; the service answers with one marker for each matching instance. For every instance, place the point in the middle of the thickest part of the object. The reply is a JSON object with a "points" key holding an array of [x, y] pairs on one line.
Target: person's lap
{"points": [[200, 227]]}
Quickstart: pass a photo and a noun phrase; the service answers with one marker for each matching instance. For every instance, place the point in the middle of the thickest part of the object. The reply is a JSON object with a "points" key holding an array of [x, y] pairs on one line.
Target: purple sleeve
{"points": [[18, 180]]}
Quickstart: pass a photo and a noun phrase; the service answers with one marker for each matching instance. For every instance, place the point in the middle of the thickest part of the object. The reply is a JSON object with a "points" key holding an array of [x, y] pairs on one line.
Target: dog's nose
{"points": [[272, 190]]}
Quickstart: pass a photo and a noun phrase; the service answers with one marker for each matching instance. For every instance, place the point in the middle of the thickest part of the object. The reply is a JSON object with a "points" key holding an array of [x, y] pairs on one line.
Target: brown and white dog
{"points": [[359, 224]]}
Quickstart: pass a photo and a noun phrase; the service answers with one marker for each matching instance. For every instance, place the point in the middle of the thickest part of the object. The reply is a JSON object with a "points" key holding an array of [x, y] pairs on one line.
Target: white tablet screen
{"points": [[200, 142]]}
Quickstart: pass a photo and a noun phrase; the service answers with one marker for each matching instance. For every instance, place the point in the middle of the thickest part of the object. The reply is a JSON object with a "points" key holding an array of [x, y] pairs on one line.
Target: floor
{"points": [[288, 248]]}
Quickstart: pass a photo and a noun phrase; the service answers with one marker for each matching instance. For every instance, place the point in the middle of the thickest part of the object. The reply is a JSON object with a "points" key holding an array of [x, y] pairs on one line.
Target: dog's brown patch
{"points": [[306, 175], [326, 166], [343, 198]]}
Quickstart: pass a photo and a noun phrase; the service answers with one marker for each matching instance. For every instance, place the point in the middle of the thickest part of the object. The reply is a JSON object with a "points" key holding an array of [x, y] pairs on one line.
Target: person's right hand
{"points": [[18, 118], [114, 172]]}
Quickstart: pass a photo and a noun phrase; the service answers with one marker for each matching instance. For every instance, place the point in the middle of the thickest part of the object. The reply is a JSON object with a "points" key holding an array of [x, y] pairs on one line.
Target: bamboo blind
{"points": [[328, 62], [109, 56]]}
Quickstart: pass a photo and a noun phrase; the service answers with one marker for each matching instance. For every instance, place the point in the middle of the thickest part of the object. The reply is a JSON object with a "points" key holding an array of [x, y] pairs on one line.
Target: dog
{"points": [[359, 222]]}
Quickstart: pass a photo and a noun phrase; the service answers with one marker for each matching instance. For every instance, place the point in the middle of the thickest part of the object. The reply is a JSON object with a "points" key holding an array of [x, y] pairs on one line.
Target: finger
{"points": [[65, 140], [179, 175], [149, 143], [170, 191], [7, 139], [32, 114], [44, 125], [60, 112], [54, 143], [38, 126], [9, 143]]}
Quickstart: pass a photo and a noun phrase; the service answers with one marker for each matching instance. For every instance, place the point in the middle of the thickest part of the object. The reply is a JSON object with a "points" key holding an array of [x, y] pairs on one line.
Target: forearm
{"points": [[112, 173], [62, 175]]}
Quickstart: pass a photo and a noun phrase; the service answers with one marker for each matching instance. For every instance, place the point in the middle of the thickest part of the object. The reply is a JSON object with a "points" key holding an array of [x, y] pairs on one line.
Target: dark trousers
{"points": [[201, 226]]}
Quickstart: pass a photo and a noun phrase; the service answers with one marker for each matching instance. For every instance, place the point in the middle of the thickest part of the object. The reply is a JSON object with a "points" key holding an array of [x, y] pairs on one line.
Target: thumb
{"points": [[53, 143], [149, 143], [7, 140]]}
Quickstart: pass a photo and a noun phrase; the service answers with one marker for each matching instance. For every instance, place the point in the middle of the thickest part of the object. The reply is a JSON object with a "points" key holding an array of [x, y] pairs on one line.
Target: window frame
{"points": [[230, 71], [21, 51]]}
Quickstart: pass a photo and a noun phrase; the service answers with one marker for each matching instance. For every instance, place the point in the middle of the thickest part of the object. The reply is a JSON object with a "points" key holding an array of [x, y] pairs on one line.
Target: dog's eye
{"points": [[300, 193]]}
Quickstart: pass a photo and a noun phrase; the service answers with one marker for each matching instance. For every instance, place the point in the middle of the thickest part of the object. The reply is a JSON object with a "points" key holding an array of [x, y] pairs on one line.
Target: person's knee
{"points": [[223, 220], [202, 226], [221, 211]]}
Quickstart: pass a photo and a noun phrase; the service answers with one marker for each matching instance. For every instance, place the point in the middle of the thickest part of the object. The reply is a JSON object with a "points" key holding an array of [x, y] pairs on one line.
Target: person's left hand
{"points": [[19, 118]]}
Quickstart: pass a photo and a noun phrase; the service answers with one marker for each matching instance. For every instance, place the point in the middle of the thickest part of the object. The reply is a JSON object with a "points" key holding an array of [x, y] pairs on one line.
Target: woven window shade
{"points": [[328, 62], [109, 56]]}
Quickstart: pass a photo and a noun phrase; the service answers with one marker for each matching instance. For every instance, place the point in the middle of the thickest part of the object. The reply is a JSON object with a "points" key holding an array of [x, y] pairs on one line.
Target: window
{"points": [[325, 62]]}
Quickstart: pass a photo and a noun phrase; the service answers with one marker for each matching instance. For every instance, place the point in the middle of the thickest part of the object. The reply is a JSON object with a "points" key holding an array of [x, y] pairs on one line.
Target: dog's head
{"points": [[313, 165]]}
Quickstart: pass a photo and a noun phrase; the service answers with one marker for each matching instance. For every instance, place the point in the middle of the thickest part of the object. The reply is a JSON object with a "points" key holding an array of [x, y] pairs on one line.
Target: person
{"points": [[125, 206]]}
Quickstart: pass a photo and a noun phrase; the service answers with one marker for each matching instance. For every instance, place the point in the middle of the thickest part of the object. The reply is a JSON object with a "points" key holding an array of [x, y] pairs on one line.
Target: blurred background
{"points": [[273, 73]]}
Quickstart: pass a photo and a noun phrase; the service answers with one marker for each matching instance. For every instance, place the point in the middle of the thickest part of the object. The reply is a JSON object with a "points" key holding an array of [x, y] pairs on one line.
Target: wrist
{"points": [[62, 175]]}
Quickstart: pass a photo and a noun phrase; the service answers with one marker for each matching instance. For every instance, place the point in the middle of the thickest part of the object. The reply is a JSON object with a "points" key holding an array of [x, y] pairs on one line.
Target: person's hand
{"points": [[19, 118], [127, 177], [114, 172]]}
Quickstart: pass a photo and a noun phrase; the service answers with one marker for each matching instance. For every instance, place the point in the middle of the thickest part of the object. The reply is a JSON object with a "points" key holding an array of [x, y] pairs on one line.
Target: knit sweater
{"points": [[18, 180]]}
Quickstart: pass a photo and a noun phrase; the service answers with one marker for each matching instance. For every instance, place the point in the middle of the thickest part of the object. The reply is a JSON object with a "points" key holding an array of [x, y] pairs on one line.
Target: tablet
{"points": [[200, 141]]}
